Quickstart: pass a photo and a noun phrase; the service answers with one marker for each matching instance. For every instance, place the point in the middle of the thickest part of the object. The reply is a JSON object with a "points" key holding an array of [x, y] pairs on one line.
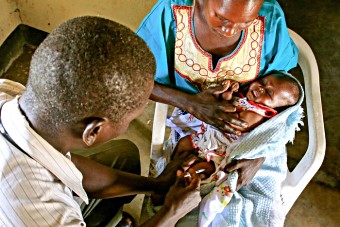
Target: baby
{"points": [[260, 100]]}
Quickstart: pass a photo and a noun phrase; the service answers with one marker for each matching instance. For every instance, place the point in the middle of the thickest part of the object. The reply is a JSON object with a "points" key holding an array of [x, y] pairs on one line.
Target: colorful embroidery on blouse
{"points": [[195, 64]]}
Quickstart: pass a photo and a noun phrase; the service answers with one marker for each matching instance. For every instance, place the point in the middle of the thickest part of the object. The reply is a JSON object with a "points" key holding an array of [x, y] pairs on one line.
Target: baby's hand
{"points": [[230, 86]]}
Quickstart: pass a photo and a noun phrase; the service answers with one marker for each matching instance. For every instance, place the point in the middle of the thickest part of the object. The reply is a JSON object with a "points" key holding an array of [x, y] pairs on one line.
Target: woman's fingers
{"points": [[226, 107], [229, 125], [227, 118], [216, 91], [237, 122], [228, 128]]}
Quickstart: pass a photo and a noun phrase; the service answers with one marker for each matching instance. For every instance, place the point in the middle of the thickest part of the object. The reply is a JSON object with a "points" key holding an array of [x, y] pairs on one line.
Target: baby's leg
{"points": [[183, 145], [209, 168], [186, 145]]}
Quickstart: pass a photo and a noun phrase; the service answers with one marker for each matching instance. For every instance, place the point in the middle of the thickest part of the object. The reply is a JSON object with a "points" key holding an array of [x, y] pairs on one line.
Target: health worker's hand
{"points": [[183, 196], [167, 178]]}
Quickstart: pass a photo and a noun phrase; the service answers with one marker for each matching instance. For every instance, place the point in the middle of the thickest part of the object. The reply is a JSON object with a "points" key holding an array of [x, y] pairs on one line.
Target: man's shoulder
{"points": [[34, 189], [9, 89]]}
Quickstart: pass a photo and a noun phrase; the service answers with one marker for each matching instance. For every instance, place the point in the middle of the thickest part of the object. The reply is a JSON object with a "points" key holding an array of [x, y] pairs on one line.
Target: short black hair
{"points": [[88, 66]]}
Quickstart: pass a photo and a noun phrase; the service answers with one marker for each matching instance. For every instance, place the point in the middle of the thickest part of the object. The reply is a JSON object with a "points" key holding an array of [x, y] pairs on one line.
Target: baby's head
{"points": [[274, 90]]}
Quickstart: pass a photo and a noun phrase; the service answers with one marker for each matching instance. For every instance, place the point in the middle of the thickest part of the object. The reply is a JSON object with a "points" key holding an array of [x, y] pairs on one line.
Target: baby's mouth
{"points": [[254, 94]]}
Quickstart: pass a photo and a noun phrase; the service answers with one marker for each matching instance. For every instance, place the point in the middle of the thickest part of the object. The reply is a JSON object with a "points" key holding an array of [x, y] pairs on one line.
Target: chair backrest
{"points": [[298, 179]]}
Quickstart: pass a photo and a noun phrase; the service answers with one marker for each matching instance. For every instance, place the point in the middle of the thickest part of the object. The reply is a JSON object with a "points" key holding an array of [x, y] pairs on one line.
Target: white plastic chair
{"points": [[298, 179]]}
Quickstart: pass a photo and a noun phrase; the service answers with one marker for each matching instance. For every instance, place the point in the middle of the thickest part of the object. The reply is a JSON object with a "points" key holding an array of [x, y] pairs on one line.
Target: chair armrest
{"points": [[158, 130]]}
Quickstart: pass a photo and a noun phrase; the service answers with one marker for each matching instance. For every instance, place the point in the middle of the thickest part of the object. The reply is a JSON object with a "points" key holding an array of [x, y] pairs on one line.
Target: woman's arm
{"points": [[207, 106]]}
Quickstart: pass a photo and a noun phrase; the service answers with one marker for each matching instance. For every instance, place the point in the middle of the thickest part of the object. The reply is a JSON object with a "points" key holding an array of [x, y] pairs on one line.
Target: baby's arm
{"points": [[183, 145], [251, 118]]}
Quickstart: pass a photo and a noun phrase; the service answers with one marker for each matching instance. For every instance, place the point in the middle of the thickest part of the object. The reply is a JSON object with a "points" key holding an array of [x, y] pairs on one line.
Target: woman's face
{"points": [[227, 18]]}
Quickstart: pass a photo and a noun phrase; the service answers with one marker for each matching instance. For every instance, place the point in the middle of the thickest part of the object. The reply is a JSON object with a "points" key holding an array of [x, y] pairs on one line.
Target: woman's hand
{"points": [[246, 168], [212, 107]]}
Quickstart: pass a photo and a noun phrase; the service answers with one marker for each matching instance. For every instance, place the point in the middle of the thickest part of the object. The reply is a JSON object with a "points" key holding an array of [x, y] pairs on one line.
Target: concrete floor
{"points": [[317, 22]]}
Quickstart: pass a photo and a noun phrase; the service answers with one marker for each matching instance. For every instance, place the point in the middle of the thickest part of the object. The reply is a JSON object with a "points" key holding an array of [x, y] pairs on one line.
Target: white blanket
{"points": [[256, 204]]}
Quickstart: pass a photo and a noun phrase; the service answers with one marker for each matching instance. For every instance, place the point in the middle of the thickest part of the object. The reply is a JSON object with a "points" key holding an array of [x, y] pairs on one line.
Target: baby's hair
{"points": [[293, 85], [88, 67]]}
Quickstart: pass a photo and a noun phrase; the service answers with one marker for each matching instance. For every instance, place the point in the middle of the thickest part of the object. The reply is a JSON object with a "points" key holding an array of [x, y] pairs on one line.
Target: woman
{"points": [[199, 44]]}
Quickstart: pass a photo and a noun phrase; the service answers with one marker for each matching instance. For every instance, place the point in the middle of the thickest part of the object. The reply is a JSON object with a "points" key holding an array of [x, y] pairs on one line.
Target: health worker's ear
{"points": [[92, 131]]}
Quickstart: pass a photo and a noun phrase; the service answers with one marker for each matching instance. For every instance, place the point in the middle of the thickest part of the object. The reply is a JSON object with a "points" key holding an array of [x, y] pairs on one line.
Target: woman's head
{"points": [[274, 90], [228, 18]]}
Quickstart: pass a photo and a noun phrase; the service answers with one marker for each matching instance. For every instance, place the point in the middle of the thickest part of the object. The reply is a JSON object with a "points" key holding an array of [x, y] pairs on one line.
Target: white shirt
{"points": [[36, 190]]}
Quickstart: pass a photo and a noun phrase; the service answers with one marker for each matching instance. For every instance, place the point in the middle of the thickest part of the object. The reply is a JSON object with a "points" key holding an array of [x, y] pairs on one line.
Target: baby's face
{"points": [[271, 91]]}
